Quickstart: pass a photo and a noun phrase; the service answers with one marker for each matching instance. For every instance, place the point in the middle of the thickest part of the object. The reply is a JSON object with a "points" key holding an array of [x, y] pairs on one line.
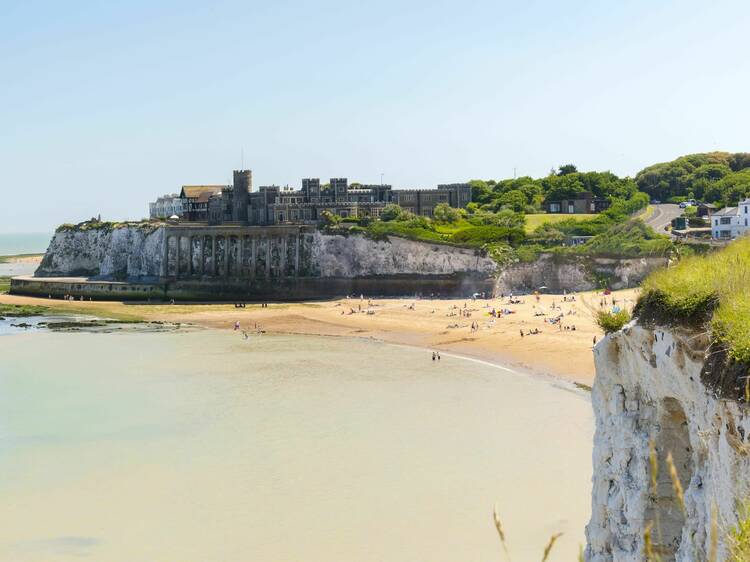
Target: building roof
{"points": [[727, 212], [195, 191], [205, 196]]}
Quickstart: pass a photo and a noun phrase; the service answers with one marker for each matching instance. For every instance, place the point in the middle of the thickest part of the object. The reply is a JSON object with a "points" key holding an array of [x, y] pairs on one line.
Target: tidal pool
{"points": [[204, 446]]}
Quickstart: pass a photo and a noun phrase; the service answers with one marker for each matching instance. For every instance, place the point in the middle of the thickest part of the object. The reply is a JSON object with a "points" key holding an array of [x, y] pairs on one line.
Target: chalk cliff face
{"points": [[133, 252], [649, 387], [353, 256], [576, 274], [118, 253]]}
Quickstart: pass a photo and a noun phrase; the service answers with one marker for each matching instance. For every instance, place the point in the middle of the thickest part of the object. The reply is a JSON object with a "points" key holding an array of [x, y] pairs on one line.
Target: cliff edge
{"points": [[671, 451]]}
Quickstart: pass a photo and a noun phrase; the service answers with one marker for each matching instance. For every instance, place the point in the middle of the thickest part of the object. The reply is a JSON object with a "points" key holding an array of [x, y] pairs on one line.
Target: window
{"points": [[554, 207], [571, 208], [726, 220]]}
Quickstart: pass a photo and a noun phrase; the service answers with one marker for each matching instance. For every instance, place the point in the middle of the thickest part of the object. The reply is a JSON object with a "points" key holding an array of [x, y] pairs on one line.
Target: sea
{"points": [[26, 243], [201, 445]]}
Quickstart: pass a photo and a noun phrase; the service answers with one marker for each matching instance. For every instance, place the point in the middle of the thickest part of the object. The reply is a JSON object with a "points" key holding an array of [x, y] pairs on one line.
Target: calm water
{"points": [[27, 243], [13, 269], [202, 446]]}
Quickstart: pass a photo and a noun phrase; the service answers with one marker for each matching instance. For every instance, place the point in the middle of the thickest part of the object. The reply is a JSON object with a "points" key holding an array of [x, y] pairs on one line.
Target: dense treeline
{"points": [[715, 177], [528, 195]]}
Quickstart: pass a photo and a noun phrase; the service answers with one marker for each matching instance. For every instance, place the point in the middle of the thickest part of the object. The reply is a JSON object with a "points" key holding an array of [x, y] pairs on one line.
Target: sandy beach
{"points": [[434, 324], [23, 258]]}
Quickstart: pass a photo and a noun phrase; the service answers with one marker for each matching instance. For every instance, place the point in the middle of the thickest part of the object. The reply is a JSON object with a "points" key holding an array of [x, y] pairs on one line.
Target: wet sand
{"points": [[435, 324]]}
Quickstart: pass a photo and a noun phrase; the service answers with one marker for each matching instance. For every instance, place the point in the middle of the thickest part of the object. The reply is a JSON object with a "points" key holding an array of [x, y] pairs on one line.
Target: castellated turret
{"points": [[243, 184]]}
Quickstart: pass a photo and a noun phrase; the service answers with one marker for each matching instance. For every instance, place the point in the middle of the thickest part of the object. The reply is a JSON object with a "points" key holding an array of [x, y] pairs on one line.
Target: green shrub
{"points": [[528, 252], [445, 213], [611, 322], [479, 235], [391, 212]]}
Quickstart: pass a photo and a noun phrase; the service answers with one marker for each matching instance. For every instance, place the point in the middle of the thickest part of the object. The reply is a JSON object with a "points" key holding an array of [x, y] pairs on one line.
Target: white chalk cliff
{"points": [[135, 252], [130, 251], [352, 256], [649, 386]]}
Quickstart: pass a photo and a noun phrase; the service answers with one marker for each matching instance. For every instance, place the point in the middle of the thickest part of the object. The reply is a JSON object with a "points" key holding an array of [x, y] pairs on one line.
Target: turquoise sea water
{"points": [[27, 243], [205, 446]]}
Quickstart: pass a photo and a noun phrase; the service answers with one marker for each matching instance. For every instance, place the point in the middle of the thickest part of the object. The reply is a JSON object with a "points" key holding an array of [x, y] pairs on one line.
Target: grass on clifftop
{"points": [[537, 219], [699, 290]]}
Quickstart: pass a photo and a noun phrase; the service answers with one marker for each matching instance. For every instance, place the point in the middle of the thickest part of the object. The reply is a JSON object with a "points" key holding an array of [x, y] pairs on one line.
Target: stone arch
{"points": [[219, 256], [183, 254], [233, 256], [208, 255], [664, 508], [172, 261], [196, 255]]}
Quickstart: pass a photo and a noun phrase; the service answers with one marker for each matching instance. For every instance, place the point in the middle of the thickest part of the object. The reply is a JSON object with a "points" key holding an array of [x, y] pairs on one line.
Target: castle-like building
{"points": [[239, 203]]}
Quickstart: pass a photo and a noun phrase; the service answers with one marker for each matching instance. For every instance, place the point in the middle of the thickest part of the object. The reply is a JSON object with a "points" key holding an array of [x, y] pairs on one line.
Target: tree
{"points": [[445, 213], [391, 212], [480, 191], [515, 200], [562, 187], [566, 169]]}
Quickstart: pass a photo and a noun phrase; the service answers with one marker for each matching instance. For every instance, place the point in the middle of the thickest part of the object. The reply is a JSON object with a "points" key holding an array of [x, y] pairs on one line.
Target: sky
{"points": [[107, 105]]}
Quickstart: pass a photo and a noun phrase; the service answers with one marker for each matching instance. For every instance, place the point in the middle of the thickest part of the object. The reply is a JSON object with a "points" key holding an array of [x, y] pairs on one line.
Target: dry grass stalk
{"points": [[714, 546], [676, 484], [648, 544], [580, 554], [652, 459], [654, 462], [549, 546], [500, 532], [747, 389]]}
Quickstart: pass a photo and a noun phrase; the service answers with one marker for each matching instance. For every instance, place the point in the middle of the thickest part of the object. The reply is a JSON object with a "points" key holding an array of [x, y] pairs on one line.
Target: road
{"points": [[663, 215]]}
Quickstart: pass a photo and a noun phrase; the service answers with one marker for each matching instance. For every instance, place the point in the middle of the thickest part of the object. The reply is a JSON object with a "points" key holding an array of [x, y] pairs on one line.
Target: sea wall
{"points": [[584, 273], [656, 386]]}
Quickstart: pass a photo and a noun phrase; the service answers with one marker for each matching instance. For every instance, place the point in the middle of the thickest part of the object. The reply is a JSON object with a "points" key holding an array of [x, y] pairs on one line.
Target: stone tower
{"points": [[243, 184]]}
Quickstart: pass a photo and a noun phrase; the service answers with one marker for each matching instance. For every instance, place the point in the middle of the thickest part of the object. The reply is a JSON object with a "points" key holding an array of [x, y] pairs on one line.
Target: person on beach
{"points": [[433, 355], [236, 325]]}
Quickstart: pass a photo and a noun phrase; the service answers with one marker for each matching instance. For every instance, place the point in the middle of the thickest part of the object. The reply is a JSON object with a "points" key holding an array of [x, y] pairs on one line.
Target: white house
{"points": [[731, 222], [166, 206]]}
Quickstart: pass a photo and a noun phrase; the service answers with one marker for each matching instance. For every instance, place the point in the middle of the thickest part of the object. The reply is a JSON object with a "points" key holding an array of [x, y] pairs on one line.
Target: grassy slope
{"points": [[698, 290], [533, 221]]}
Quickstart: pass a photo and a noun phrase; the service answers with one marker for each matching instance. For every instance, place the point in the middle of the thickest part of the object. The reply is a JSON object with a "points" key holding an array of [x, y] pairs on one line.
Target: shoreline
{"points": [[22, 258], [443, 325]]}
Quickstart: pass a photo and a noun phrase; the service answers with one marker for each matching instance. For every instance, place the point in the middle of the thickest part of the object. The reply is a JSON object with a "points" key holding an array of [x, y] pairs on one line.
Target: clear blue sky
{"points": [[106, 105]]}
